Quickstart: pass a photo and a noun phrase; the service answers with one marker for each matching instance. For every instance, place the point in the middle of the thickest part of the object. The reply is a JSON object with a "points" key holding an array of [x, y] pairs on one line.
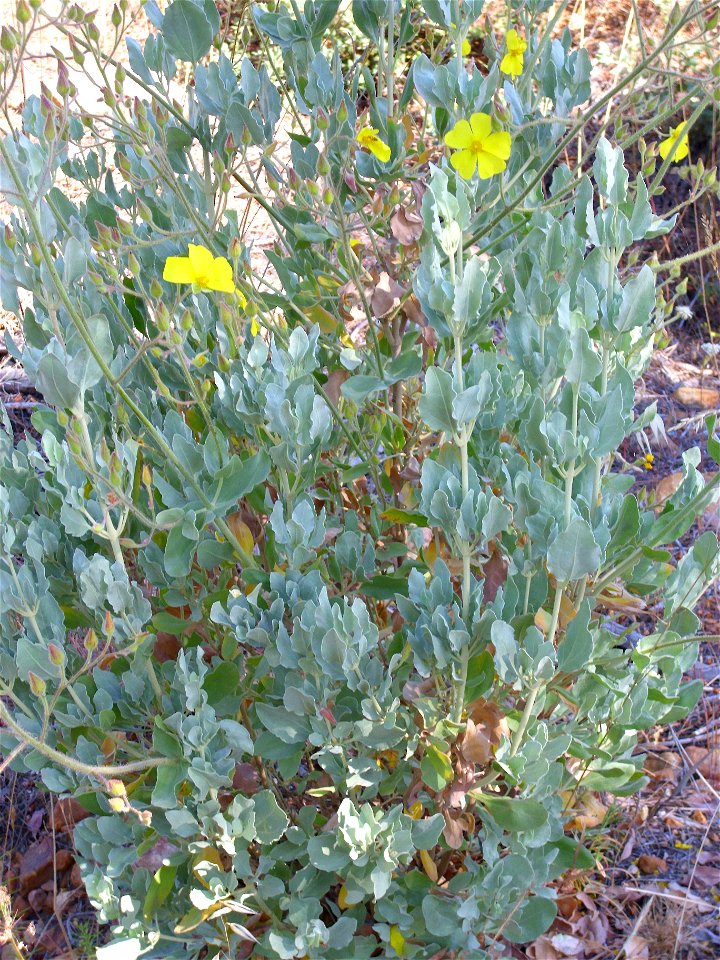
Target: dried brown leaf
{"points": [[386, 295], [406, 226]]}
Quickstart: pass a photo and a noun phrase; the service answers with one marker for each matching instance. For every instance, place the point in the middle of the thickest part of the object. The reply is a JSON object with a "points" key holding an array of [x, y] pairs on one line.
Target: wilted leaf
{"points": [[475, 745], [706, 398], [386, 295], [406, 226]]}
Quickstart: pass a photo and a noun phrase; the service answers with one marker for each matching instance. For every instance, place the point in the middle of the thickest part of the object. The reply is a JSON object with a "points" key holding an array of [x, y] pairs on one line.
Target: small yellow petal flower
{"points": [[683, 147], [648, 460], [415, 810], [397, 941], [466, 49], [200, 268], [368, 138], [512, 62], [477, 147], [342, 898]]}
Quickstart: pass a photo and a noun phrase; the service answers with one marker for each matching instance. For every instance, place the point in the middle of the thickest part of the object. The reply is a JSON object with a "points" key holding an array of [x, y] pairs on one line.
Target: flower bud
{"points": [[162, 318], [224, 363], [7, 39], [37, 686], [62, 418], [133, 264], [22, 12], [342, 113], [175, 338], [10, 238], [186, 320], [246, 137], [328, 197], [57, 656], [108, 624], [116, 16], [35, 254], [235, 248], [312, 188], [322, 119], [156, 290], [93, 32], [323, 167], [146, 475]]}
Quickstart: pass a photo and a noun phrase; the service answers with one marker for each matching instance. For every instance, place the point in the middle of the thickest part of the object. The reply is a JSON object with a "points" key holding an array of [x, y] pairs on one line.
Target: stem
{"points": [[466, 547], [390, 77], [525, 719], [71, 763]]}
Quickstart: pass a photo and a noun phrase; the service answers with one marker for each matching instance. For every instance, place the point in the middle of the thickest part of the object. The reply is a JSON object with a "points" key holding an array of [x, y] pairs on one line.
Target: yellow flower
{"points": [[477, 147], [368, 138], [512, 62], [388, 759], [466, 49], [200, 268], [683, 148], [415, 810], [397, 940], [342, 898], [648, 460]]}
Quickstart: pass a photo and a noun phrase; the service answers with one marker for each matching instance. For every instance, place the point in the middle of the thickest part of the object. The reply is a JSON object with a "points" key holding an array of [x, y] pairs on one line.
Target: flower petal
{"points": [[514, 42], [379, 149], [464, 161], [178, 270], [367, 135], [683, 148], [498, 144], [488, 165], [220, 276], [201, 260], [481, 125], [512, 64], [460, 136]]}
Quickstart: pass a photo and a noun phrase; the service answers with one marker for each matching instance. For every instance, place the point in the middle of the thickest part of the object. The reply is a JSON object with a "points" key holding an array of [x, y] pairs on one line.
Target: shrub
{"points": [[309, 589]]}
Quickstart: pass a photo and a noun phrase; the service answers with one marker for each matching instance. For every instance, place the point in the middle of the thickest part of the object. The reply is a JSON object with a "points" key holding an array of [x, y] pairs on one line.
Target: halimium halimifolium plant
{"points": [[310, 586]]}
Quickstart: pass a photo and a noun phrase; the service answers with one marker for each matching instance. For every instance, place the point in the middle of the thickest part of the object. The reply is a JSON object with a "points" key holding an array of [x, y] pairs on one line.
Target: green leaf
{"points": [[237, 478], [480, 677], [187, 31], [396, 515], [575, 649], [221, 686], [435, 768], [532, 919], [159, 890], [574, 553], [638, 300], [436, 402], [270, 821], [514, 814], [570, 854], [384, 587]]}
